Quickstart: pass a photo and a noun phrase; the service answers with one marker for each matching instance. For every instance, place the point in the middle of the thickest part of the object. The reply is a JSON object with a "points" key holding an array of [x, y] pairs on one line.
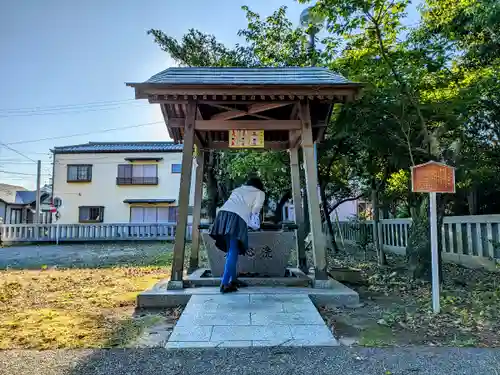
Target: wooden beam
{"points": [[184, 192], [165, 118], [261, 107], [311, 173], [218, 145], [294, 139], [198, 196], [295, 112], [253, 110], [246, 101], [207, 125], [297, 203], [197, 139], [228, 115]]}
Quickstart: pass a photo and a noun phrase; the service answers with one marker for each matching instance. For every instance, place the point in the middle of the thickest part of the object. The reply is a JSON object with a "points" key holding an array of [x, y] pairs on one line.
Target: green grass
{"points": [[75, 308]]}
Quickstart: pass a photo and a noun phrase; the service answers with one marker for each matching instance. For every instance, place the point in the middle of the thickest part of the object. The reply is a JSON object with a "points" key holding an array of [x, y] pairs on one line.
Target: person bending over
{"points": [[230, 229]]}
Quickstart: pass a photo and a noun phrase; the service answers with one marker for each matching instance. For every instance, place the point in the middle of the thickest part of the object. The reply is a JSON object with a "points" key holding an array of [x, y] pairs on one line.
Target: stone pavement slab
{"points": [[249, 319]]}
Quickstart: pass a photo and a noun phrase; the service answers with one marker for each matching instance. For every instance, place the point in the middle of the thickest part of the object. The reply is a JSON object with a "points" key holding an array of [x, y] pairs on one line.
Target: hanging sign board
{"points": [[433, 178], [246, 138]]}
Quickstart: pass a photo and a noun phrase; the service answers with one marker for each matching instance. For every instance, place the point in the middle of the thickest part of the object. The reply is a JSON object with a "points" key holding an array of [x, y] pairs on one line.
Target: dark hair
{"points": [[255, 182]]}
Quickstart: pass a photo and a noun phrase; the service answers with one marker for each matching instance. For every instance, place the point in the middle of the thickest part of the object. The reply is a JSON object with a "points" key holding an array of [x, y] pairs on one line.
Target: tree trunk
{"points": [[418, 251], [278, 213], [472, 202], [326, 211], [377, 240], [212, 188]]}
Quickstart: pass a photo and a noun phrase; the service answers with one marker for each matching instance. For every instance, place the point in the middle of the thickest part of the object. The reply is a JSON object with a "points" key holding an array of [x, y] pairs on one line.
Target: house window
{"points": [[137, 174], [176, 168], [153, 214], [79, 173], [91, 214]]}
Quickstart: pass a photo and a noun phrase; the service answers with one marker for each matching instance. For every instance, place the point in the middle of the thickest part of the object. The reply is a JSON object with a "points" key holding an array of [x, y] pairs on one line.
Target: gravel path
{"points": [[82, 255], [265, 361]]}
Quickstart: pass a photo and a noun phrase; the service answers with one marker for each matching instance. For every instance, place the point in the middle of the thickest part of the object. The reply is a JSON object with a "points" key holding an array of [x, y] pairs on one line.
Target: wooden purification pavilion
{"points": [[291, 105]]}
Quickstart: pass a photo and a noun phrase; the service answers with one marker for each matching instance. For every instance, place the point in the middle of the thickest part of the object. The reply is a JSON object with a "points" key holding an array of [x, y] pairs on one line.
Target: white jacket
{"points": [[245, 201]]}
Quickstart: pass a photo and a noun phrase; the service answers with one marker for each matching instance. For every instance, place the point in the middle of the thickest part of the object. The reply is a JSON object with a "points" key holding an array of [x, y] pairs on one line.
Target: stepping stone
{"points": [[248, 319]]}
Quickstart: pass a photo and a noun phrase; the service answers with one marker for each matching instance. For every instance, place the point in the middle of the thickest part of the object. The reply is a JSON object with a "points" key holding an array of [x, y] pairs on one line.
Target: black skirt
{"points": [[228, 226]]}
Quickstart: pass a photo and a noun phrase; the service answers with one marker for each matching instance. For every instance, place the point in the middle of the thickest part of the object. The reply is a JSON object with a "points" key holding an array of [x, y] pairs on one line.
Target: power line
{"points": [[64, 112], [82, 134], [23, 174], [2, 162], [17, 152], [88, 104]]}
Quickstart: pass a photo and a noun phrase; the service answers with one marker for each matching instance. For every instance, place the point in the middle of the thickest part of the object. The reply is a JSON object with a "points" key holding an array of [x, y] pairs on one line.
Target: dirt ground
{"points": [[396, 310]]}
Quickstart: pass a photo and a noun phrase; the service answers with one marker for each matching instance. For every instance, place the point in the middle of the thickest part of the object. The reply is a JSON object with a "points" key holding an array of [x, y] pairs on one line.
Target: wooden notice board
{"points": [[433, 177], [246, 138]]}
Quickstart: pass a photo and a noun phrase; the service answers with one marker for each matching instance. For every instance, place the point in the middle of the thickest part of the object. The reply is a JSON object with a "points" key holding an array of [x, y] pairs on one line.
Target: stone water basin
{"points": [[268, 256]]}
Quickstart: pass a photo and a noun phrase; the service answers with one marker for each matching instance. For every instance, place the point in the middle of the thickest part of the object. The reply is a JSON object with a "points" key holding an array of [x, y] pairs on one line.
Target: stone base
{"points": [[297, 278], [175, 285], [268, 254], [161, 296]]}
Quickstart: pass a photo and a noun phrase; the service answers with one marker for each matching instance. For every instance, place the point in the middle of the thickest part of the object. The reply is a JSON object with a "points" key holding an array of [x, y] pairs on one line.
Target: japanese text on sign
{"points": [[433, 177], [246, 138]]}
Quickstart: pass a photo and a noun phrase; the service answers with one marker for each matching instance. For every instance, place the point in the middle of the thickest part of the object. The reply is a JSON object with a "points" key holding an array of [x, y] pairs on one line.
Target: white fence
{"points": [[88, 232], [473, 241]]}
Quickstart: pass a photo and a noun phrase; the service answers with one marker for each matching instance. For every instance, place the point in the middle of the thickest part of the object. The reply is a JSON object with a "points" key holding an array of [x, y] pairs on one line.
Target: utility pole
{"points": [[38, 183]]}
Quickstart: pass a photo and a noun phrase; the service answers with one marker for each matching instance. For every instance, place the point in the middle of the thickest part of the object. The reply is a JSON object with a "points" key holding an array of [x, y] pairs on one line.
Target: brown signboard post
{"points": [[433, 178]]}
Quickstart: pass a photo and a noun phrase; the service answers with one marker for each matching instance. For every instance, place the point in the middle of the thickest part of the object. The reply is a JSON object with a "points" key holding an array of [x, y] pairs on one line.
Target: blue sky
{"points": [[58, 53]]}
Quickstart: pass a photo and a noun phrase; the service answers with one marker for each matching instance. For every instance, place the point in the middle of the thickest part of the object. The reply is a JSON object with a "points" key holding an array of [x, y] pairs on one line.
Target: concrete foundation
{"points": [[160, 296], [294, 277]]}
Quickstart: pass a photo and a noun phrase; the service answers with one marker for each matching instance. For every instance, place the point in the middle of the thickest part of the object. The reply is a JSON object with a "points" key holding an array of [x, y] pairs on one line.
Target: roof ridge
{"points": [[127, 143], [117, 143], [248, 67], [120, 147]]}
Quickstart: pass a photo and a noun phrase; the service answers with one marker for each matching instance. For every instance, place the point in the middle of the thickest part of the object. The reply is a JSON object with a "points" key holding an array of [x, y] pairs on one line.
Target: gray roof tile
{"points": [[107, 147], [249, 76]]}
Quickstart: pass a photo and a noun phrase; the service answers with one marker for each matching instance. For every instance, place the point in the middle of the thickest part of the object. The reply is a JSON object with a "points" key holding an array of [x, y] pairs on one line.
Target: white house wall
{"points": [[103, 190], [346, 211]]}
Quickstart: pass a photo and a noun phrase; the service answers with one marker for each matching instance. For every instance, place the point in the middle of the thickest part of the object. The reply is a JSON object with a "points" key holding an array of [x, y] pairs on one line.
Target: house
{"points": [[349, 209], [18, 205], [118, 182]]}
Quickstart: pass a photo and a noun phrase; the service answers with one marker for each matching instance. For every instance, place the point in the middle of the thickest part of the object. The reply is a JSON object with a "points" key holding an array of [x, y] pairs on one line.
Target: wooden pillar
{"points": [[184, 192], [198, 196], [311, 173], [297, 202]]}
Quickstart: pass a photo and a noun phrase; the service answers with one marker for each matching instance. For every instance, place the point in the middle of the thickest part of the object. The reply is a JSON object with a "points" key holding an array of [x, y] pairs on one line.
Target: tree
{"points": [[431, 92]]}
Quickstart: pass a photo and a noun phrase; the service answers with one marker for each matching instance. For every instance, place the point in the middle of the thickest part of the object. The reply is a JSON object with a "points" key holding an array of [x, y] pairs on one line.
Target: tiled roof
{"points": [[249, 76], [8, 193], [108, 147], [25, 197], [16, 194]]}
